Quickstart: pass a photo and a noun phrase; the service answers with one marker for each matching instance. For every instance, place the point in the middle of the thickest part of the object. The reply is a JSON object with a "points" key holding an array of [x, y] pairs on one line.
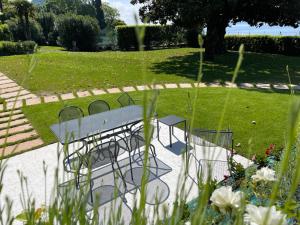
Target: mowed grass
{"points": [[59, 71], [269, 110]]}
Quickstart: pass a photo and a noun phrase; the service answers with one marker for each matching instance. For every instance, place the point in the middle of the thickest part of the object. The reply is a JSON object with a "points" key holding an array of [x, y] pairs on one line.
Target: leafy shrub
{"points": [[78, 32], [155, 36], [17, 30], [5, 34], [46, 21], [15, 48], [265, 44]]}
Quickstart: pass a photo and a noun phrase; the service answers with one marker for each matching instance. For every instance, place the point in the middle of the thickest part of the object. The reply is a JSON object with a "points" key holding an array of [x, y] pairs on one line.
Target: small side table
{"points": [[171, 121]]}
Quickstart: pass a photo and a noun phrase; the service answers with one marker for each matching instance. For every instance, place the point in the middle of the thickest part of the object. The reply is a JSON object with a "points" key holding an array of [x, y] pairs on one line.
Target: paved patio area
{"points": [[164, 179]]}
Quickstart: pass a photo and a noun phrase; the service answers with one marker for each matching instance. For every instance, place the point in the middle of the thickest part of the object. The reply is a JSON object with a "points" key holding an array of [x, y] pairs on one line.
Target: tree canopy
{"points": [[216, 15]]}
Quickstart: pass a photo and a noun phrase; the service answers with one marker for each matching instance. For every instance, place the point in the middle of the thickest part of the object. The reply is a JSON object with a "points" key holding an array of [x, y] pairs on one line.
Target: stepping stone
{"points": [[33, 101], [10, 113], [15, 129], [13, 117], [98, 92], [142, 88], [296, 87], [157, 86], [246, 85], [200, 85], [18, 137], [113, 90], [50, 98], [230, 85], [128, 89], [185, 85], [281, 86], [171, 86], [24, 146], [263, 86], [9, 85], [13, 123], [14, 94], [214, 84], [6, 81], [13, 89], [23, 97], [67, 96], [82, 94], [14, 105]]}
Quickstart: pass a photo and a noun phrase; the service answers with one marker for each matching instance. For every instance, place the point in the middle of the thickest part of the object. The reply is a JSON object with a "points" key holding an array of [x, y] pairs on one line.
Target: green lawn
{"points": [[269, 110], [62, 71]]}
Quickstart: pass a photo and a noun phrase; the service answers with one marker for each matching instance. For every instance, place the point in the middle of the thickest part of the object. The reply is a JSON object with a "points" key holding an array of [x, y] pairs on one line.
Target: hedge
{"points": [[286, 45], [155, 36], [16, 48]]}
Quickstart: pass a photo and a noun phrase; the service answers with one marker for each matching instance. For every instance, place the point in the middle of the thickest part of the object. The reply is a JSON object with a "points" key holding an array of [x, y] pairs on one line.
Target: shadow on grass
{"points": [[256, 68]]}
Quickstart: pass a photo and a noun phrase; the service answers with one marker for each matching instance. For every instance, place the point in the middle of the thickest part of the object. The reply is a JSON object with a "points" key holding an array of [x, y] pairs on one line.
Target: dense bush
{"points": [[265, 44], [78, 32], [15, 48], [5, 34], [46, 21], [155, 36], [17, 30]]}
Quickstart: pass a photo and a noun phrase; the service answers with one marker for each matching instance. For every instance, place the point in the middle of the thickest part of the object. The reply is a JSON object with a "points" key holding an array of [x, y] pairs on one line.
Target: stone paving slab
{"points": [[200, 85], [214, 84], [113, 90], [230, 85], [8, 113], [157, 86], [296, 87], [67, 96], [12, 89], [246, 85], [14, 94], [24, 146], [263, 86], [15, 129], [18, 137], [6, 81], [82, 94], [142, 88], [187, 85], [33, 101], [51, 98], [13, 117], [9, 85], [98, 92], [171, 86], [281, 86], [13, 123], [23, 97], [14, 105], [128, 89]]}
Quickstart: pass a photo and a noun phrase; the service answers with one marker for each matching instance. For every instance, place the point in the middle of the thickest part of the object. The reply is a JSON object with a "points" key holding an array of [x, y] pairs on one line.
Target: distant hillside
{"points": [[38, 2]]}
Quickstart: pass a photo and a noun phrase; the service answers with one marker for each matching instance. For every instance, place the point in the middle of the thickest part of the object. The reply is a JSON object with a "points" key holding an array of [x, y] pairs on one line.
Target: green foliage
{"points": [[46, 21], [15, 48], [155, 36], [265, 44], [78, 32], [17, 30], [5, 34]]}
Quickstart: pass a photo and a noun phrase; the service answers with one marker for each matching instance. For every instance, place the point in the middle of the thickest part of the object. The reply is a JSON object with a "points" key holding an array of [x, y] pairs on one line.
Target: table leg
{"points": [[170, 134]]}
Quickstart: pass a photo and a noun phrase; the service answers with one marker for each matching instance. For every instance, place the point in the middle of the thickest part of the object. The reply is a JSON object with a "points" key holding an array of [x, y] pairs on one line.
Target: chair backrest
{"points": [[211, 138], [98, 106], [70, 113], [125, 100]]}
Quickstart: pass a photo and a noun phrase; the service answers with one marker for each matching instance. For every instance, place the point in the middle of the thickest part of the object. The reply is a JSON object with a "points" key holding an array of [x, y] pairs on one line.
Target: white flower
{"points": [[224, 198], [264, 174], [264, 216]]}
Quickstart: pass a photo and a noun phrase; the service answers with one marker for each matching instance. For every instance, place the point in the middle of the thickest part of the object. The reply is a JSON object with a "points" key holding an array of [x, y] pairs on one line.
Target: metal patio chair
{"points": [[98, 106], [70, 113], [211, 139], [125, 100]]}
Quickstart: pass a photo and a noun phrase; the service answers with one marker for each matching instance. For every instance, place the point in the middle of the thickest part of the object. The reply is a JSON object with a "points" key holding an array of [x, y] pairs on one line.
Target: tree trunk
{"points": [[215, 37]]}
